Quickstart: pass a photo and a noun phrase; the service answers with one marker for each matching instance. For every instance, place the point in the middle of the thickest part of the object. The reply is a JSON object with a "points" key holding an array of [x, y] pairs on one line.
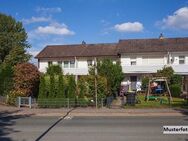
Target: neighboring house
{"points": [[145, 56], [75, 59], [138, 57]]}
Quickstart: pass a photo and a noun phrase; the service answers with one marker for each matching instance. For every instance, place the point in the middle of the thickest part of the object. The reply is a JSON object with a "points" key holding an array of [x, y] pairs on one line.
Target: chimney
{"points": [[161, 36], [83, 42]]}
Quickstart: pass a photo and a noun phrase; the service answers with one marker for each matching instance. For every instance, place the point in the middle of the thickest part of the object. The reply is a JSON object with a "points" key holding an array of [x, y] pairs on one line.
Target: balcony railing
{"points": [[75, 71], [179, 69]]}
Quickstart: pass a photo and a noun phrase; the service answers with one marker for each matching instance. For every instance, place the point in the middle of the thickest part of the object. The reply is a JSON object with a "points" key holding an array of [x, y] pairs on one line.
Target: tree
{"points": [[82, 87], [112, 72], [54, 70], [176, 79], [42, 90], [26, 79], [13, 41], [61, 87], [13, 45], [52, 87], [71, 92], [166, 72], [6, 79]]}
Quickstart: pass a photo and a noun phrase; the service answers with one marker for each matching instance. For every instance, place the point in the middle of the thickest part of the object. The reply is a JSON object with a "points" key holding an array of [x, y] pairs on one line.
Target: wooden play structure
{"points": [[158, 79]]}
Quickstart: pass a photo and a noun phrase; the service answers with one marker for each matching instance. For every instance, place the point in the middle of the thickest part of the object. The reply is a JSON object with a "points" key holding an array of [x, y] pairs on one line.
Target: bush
{"points": [[26, 79], [61, 87], [6, 79], [175, 90], [145, 82], [71, 89], [167, 72], [52, 87], [42, 88], [54, 70], [176, 79]]}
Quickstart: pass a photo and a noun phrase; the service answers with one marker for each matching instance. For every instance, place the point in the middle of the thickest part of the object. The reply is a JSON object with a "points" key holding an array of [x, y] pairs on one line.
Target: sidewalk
{"points": [[89, 111]]}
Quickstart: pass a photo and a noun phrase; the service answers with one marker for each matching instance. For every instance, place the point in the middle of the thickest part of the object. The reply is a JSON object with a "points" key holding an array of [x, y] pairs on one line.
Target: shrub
{"points": [[82, 87], [175, 90], [145, 82], [71, 89], [52, 87], [176, 79], [26, 79], [112, 72], [13, 95], [6, 79], [42, 86], [61, 87], [166, 72], [54, 70]]}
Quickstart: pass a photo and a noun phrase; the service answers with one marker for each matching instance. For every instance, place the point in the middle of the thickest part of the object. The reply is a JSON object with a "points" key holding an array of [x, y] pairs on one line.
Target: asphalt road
{"points": [[89, 128]]}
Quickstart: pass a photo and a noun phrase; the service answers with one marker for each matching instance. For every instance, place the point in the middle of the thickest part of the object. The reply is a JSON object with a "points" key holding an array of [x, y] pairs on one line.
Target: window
{"points": [[60, 63], [89, 62], [72, 64], [66, 64], [181, 59], [133, 61], [49, 63]]}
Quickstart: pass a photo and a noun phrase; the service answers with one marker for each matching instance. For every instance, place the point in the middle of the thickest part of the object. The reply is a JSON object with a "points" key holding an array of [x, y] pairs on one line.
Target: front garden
{"points": [[161, 102]]}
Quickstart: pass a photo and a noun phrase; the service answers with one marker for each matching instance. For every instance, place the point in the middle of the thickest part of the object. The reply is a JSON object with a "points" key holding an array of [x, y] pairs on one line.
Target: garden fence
{"points": [[68, 103], [3, 99]]}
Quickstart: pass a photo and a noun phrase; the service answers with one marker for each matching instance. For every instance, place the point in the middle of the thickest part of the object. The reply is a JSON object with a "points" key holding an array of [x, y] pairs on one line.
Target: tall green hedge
{"points": [[175, 90], [61, 87]]}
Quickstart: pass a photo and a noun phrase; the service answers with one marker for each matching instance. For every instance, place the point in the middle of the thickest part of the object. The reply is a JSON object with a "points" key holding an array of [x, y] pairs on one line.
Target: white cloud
{"points": [[178, 20], [55, 29], [49, 10], [36, 19], [129, 27], [33, 52]]}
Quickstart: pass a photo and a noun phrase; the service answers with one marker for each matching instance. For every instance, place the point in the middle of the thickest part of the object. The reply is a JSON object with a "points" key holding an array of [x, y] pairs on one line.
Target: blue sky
{"points": [[97, 21]]}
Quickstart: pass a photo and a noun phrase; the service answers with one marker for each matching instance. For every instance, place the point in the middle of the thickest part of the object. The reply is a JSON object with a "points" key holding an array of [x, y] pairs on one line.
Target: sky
{"points": [[54, 22]]}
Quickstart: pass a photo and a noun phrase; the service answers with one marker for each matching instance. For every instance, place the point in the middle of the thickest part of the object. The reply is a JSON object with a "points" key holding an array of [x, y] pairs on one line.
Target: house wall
{"points": [[149, 63], [81, 65]]}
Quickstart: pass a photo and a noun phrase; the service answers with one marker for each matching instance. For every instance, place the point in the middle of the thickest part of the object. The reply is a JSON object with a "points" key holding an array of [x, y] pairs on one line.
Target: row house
{"points": [[138, 57]]}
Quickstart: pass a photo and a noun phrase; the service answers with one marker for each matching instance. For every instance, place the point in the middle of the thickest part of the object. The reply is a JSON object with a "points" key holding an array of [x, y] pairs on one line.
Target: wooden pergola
{"points": [[159, 79]]}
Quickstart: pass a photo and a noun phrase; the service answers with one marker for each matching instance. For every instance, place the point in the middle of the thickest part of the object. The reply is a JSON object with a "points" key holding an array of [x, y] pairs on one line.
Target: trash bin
{"points": [[131, 98]]}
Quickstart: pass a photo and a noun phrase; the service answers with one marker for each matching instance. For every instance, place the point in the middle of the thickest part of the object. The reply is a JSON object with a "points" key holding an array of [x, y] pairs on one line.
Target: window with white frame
{"points": [[66, 64], [49, 63], [69, 64], [72, 64], [89, 63], [181, 59], [133, 61], [60, 63]]}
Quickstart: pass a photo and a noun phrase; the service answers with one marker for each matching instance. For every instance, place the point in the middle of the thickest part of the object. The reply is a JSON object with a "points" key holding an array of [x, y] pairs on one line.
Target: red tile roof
{"points": [[79, 50], [113, 49], [153, 45]]}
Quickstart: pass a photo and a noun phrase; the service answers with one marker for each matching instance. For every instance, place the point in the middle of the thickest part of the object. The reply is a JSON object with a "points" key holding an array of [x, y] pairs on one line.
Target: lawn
{"points": [[176, 103]]}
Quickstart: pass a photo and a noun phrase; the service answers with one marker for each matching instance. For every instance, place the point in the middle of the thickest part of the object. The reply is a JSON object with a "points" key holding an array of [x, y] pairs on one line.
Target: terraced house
{"points": [[138, 57]]}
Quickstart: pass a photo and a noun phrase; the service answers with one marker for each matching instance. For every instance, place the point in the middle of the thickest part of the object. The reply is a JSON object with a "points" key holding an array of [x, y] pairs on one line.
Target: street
{"points": [[130, 128]]}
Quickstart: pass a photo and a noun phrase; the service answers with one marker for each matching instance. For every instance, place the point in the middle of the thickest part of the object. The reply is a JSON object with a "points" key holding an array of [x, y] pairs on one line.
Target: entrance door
{"points": [[133, 82]]}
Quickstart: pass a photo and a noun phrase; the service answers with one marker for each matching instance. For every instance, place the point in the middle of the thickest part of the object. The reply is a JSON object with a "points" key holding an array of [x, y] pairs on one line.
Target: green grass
{"points": [[176, 103]]}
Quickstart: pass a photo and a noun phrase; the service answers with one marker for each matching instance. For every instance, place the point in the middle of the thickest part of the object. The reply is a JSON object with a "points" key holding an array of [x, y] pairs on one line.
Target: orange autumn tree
{"points": [[26, 80]]}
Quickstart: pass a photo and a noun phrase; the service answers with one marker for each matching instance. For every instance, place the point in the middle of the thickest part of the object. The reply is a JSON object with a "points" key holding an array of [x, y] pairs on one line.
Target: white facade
{"points": [[136, 65], [80, 67], [141, 63]]}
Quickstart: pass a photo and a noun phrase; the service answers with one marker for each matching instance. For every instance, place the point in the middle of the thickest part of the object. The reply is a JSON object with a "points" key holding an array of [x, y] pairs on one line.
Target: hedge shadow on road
{"points": [[7, 121]]}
